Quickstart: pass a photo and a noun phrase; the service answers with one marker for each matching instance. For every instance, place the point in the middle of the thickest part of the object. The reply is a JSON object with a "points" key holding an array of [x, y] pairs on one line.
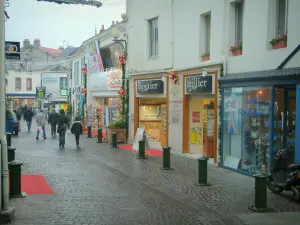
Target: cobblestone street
{"points": [[99, 185]]}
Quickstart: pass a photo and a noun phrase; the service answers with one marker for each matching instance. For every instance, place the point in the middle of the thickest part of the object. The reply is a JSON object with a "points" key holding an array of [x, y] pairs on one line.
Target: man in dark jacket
{"points": [[28, 117], [53, 119], [77, 129], [63, 124]]}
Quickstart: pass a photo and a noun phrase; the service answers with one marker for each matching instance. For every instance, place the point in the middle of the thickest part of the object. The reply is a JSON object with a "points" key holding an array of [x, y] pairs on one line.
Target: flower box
{"points": [[205, 58], [237, 48], [121, 134], [280, 44], [237, 52]]}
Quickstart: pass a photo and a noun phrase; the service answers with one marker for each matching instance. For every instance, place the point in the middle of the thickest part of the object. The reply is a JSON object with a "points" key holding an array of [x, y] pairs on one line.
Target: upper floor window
{"points": [[239, 19], [18, 82], [76, 73], [63, 83], [153, 37], [207, 32], [28, 84], [282, 16]]}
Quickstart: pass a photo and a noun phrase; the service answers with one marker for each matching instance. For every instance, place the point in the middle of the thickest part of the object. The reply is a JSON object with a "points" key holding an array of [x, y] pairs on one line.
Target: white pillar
{"points": [[3, 156]]}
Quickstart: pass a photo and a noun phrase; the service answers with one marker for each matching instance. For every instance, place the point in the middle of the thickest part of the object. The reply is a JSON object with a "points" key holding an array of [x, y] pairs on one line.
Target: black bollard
{"points": [[8, 139], [141, 150], [260, 201], [166, 158], [202, 172], [89, 134], [99, 135], [114, 140], [15, 180], [11, 154]]}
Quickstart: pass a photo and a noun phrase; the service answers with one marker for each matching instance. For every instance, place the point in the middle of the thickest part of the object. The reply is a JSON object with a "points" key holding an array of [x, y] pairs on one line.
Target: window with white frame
{"points": [[28, 84], [207, 20], [153, 37], [76, 73], [282, 16], [18, 82], [239, 19], [63, 83]]}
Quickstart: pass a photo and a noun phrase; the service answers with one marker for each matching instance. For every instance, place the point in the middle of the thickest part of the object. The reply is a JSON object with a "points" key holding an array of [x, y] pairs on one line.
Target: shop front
{"points": [[103, 96], [151, 110], [259, 118], [200, 115], [78, 101]]}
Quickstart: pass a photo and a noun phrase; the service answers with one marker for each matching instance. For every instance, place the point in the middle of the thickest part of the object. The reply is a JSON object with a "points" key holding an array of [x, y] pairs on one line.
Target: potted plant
{"points": [[118, 127], [205, 56], [237, 48], [279, 42]]}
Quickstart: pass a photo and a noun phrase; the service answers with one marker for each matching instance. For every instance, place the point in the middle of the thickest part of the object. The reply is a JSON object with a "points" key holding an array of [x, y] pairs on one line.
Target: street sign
{"points": [[48, 97], [40, 92], [63, 92], [12, 50]]}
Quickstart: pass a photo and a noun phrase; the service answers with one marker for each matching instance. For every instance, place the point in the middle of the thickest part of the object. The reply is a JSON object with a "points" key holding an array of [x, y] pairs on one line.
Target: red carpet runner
{"points": [[35, 184], [149, 152]]}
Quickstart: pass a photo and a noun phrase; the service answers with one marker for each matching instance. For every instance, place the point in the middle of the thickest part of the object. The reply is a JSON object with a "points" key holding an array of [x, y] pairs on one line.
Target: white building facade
{"points": [[193, 40], [24, 75]]}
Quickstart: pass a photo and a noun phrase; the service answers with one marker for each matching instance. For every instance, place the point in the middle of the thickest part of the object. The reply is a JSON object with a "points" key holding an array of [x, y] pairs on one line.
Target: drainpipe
{"points": [[172, 33], [3, 156], [224, 61]]}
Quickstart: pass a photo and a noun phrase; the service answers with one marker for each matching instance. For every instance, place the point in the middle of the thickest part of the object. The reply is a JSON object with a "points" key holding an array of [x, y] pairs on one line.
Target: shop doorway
{"points": [[153, 118], [285, 120], [201, 126]]}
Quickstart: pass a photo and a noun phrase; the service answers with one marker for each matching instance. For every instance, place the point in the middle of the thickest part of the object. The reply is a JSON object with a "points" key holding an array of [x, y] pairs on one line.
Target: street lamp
{"points": [[116, 33]]}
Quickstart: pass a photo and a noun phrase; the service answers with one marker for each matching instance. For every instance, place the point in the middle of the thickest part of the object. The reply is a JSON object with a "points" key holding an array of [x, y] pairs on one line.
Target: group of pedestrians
{"points": [[60, 123]]}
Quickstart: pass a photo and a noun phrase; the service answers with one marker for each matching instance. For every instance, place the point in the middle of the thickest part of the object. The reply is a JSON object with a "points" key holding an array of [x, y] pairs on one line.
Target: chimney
{"points": [[113, 23], [102, 29], [26, 43], [117, 21], [36, 43]]}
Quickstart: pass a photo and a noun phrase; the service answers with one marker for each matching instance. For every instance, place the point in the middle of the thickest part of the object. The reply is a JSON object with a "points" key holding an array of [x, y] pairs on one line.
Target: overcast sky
{"points": [[53, 23]]}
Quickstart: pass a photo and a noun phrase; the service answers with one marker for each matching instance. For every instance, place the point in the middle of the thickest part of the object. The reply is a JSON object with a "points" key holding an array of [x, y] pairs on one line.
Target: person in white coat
{"points": [[41, 123]]}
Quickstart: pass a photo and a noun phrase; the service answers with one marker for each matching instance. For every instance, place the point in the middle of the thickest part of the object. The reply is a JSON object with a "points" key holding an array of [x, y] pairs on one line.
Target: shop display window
{"points": [[246, 128], [150, 120]]}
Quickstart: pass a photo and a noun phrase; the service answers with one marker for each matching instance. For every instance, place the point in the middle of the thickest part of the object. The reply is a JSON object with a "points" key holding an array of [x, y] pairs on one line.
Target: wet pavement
{"points": [[99, 185]]}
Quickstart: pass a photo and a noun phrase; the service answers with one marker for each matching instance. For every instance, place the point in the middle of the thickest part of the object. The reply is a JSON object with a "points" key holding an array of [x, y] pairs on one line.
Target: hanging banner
{"points": [[94, 58]]}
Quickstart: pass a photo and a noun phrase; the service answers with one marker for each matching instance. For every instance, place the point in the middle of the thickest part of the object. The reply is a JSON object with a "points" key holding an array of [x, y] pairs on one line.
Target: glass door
{"points": [[285, 120]]}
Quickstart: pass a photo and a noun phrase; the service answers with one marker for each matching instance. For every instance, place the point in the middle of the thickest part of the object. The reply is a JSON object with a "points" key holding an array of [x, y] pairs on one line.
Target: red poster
{"points": [[196, 117]]}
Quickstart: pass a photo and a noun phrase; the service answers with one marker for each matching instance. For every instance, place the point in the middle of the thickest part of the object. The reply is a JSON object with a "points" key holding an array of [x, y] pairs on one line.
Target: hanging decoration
{"points": [[173, 77], [122, 93], [84, 71], [6, 15], [122, 59], [96, 3], [83, 91]]}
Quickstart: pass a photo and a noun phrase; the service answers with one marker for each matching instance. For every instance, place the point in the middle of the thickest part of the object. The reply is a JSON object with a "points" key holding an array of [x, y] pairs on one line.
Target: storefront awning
{"points": [[105, 94], [266, 75]]}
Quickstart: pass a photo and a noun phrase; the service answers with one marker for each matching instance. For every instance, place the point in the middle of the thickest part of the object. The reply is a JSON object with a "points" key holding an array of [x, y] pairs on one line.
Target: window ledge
{"points": [[153, 57]]}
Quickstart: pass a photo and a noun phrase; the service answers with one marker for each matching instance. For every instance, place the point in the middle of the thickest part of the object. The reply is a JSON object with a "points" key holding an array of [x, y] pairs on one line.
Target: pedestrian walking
{"points": [[28, 117], [62, 127], [77, 129], [19, 117], [41, 123], [53, 119]]}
